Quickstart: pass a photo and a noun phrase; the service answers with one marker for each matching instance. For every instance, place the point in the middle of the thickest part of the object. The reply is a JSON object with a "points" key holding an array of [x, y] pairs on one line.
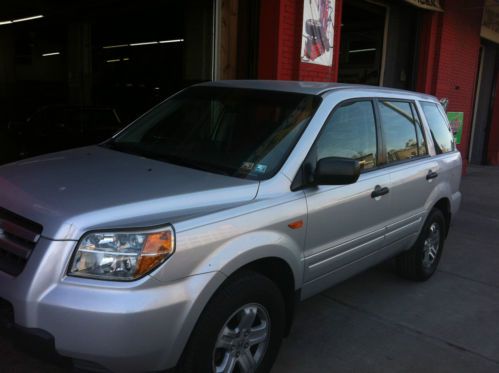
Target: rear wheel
{"points": [[240, 330], [421, 261]]}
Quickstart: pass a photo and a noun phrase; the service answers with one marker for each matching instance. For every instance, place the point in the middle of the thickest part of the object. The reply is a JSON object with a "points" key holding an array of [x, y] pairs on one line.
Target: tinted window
{"points": [[237, 132], [440, 131], [399, 130], [350, 133]]}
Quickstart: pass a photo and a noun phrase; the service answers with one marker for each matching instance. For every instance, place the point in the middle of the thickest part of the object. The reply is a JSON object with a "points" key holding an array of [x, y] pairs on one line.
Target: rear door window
{"points": [[400, 131], [440, 130]]}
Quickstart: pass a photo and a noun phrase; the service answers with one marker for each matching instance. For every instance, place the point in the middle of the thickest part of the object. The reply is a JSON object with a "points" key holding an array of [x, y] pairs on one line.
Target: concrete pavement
{"points": [[378, 322]]}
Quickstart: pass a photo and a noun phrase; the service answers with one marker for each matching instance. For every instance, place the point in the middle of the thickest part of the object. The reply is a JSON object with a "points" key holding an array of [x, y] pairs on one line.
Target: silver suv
{"points": [[185, 240]]}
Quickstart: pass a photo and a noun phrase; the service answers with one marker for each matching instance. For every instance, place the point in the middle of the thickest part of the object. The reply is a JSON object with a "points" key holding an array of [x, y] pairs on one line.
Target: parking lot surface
{"points": [[378, 322]]}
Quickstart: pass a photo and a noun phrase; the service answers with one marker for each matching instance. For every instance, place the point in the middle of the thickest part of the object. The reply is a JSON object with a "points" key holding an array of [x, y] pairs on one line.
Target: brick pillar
{"points": [[429, 44], [449, 57]]}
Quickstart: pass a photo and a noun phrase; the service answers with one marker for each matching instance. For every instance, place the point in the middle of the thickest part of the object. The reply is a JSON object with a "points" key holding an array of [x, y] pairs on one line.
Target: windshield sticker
{"points": [[260, 168], [247, 166]]}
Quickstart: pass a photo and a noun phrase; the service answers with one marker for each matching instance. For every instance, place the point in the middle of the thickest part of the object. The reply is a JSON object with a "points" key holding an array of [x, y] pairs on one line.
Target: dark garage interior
{"points": [[74, 72]]}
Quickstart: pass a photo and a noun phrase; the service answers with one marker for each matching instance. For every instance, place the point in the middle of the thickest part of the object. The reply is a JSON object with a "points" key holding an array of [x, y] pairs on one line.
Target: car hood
{"points": [[90, 188]]}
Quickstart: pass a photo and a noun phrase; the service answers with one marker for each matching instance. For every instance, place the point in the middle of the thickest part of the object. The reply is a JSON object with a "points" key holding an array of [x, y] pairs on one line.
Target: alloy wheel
{"points": [[431, 245], [242, 343]]}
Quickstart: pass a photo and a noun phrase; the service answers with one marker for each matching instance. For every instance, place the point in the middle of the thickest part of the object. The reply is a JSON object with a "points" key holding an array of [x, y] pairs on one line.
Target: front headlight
{"points": [[121, 256]]}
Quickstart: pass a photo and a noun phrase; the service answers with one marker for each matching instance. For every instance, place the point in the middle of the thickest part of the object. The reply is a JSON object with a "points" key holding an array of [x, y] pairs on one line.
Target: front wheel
{"points": [[240, 330], [421, 261]]}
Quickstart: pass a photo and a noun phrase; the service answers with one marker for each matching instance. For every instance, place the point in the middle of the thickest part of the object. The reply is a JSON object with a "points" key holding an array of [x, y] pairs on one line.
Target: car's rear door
{"points": [[412, 170]]}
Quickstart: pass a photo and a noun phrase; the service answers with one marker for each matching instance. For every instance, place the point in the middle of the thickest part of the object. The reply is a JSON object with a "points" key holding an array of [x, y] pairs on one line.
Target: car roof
{"points": [[311, 88]]}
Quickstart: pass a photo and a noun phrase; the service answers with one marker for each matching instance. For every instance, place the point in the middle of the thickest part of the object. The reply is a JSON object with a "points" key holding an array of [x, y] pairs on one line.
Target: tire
{"points": [[224, 322], [421, 261]]}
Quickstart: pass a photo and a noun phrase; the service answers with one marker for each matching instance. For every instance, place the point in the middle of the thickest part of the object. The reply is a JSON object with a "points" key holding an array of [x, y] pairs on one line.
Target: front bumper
{"points": [[127, 327], [35, 341]]}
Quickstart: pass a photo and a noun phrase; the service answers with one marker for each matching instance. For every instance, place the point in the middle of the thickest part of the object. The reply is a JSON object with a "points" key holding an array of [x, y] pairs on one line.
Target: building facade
{"points": [[129, 55], [443, 48]]}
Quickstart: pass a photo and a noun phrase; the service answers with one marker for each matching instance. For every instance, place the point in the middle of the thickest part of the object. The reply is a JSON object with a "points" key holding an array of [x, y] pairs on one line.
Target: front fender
{"points": [[230, 257], [247, 248]]}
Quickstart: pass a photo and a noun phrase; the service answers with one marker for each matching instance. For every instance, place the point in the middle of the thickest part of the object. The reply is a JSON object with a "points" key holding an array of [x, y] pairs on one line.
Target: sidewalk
{"points": [[377, 322]]}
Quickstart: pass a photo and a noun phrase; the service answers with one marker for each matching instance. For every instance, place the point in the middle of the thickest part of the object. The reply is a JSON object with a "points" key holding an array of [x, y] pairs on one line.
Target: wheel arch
{"points": [[277, 269], [443, 204], [279, 272]]}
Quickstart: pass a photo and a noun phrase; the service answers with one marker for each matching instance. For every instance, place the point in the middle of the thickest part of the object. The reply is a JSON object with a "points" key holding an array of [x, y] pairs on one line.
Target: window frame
{"points": [[330, 116], [300, 182], [376, 129], [417, 115], [445, 119], [413, 107]]}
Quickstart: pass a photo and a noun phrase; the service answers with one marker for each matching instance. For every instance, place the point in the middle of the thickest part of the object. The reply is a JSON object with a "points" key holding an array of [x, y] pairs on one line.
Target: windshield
{"points": [[237, 132]]}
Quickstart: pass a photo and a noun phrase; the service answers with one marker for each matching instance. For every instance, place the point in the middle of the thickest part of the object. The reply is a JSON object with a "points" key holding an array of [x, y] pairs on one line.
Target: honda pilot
{"points": [[185, 241]]}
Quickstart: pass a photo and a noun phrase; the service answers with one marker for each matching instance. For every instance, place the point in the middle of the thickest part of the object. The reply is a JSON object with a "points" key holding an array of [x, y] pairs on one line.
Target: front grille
{"points": [[18, 237]]}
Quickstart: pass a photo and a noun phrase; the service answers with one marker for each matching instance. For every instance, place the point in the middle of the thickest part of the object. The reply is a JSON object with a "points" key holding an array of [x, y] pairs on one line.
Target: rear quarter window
{"points": [[440, 131]]}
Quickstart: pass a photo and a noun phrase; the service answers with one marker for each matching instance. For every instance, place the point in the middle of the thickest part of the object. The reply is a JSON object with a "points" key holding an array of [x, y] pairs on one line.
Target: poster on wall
{"points": [[318, 32], [456, 124]]}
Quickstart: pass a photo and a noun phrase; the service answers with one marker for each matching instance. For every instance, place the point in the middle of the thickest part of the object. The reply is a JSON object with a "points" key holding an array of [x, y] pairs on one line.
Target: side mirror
{"points": [[336, 171]]}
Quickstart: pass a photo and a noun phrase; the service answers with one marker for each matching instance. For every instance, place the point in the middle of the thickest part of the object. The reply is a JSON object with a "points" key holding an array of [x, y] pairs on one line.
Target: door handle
{"points": [[379, 191], [431, 175]]}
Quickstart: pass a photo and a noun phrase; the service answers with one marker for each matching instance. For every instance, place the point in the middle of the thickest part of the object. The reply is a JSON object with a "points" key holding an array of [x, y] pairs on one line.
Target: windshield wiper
{"points": [[207, 168], [192, 164], [168, 158]]}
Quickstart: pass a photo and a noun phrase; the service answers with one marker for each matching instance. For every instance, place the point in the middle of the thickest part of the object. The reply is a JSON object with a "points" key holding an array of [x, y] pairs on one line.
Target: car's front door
{"points": [[346, 223]]}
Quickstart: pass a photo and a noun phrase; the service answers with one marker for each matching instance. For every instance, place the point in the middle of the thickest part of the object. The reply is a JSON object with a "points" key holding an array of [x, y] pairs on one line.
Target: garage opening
{"points": [[74, 72], [378, 43], [362, 42]]}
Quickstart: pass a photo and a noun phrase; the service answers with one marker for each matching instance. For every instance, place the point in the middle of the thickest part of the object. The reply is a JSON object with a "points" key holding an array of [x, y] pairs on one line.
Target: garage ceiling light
{"points": [[171, 41], [362, 50], [118, 60], [51, 54], [143, 43], [115, 46], [20, 20]]}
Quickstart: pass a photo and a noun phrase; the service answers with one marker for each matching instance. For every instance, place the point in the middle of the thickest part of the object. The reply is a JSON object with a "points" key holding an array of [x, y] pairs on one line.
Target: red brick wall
{"points": [[282, 20], [289, 39], [459, 58], [457, 48], [268, 39], [429, 38]]}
